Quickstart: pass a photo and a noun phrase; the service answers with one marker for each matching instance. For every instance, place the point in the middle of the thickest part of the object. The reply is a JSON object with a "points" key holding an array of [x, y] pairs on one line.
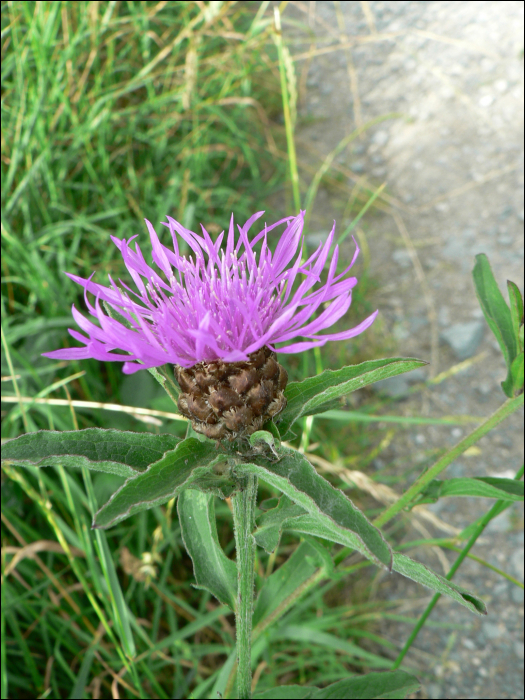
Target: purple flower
{"points": [[215, 303]]}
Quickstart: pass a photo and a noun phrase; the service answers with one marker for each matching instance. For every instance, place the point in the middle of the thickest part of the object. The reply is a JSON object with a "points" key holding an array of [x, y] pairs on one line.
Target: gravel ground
{"points": [[453, 163]]}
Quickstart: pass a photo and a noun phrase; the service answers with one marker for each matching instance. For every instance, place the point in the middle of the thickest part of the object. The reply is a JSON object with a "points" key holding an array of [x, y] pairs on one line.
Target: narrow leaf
{"points": [[516, 372], [426, 577], [313, 525], [317, 394], [516, 311], [390, 684], [213, 570], [287, 692], [497, 314], [481, 487], [189, 464], [270, 524], [294, 476], [314, 636], [286, 580], [118, 452]]}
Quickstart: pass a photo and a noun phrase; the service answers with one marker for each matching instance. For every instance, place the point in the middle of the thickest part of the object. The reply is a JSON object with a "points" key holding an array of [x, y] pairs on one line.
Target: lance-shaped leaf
{"points": [[517, 374], [481, 487], [270, 524], [190, 464], [118, 452], [371, 686], [313, 525], [294, 476], [213, 570], [426, 577], [287, 692], [516, 311], [391, 684], [497, 314], [284, 583], [317, 394]]}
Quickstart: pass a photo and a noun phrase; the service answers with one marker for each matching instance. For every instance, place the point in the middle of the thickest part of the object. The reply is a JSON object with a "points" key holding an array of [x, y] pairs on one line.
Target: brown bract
{"points": [[227, 401]]}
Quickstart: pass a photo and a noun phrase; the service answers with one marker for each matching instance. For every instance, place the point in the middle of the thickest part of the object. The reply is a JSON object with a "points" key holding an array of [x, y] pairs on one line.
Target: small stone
{"points": [[500, 524], [380, 137], [486, 101], [468, 644], [518, 649], [358, 167], [444, 316], [464, 338], [491, 631], [402, 258], [434, 691], [517, 595], [517, 563], [314, 239], [393, 386]]}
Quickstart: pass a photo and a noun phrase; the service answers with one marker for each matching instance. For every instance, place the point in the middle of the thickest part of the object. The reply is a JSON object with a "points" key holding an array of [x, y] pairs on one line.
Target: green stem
{"points": [[292, 158], [496, 509], [243, 505], [503, 412]]}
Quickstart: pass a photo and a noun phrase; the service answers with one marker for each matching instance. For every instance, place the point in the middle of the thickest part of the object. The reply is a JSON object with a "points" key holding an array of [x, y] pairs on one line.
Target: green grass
{"points": [[113, 112]]}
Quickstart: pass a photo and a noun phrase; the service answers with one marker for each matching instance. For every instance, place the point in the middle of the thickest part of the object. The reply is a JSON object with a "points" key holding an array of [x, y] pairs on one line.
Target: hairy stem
{"points": [[243, 504]]}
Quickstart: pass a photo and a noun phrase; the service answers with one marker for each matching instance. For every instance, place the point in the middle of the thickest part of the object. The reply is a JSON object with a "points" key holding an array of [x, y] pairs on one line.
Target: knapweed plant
{"points": [[209, 322]]}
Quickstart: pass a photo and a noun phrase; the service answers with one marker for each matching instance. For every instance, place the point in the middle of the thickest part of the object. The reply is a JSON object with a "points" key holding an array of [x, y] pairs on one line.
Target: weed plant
{"points": [[113, 112]]}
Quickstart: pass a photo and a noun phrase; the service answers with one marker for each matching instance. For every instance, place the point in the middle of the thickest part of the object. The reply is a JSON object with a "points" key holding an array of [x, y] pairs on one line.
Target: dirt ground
{"points": [[452, 159]]}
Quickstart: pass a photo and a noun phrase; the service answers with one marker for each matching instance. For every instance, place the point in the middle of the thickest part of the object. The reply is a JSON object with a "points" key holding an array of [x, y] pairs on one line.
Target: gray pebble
{"points": [[380, 137], [491, 630], [402, 258], [500, 524], [516, 560], [468, 643], [392, 386], [434, 691], [358, 167], [464, 338]]}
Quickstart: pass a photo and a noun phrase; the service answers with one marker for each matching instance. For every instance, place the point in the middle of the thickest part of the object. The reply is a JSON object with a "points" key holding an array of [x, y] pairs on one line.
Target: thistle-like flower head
{"points": [[217, 303]]}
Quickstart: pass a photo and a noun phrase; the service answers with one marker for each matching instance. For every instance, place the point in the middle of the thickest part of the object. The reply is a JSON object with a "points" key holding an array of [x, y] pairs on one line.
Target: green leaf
{"points": [[386, 684], [317, 394], [516, 371], [294, 476], [190, 464], [481, 487], [314, 636], [516, 311], [426, 577], [497, 313], [115, 451], [270, 524], [213, 570], [312, 525], [286, 692], [284, 582], [390, 684]]}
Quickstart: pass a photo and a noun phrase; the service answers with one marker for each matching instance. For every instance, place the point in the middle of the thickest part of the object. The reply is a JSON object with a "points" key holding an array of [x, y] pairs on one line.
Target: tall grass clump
{"points": [[112, 111]]}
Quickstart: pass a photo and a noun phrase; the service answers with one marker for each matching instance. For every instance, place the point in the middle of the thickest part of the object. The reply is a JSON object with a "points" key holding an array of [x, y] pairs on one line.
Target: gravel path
{"points": [[453, 163]]}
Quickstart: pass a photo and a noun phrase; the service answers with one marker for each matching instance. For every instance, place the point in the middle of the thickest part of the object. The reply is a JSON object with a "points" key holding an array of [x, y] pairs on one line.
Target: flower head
{"points": [[217, 303]]}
